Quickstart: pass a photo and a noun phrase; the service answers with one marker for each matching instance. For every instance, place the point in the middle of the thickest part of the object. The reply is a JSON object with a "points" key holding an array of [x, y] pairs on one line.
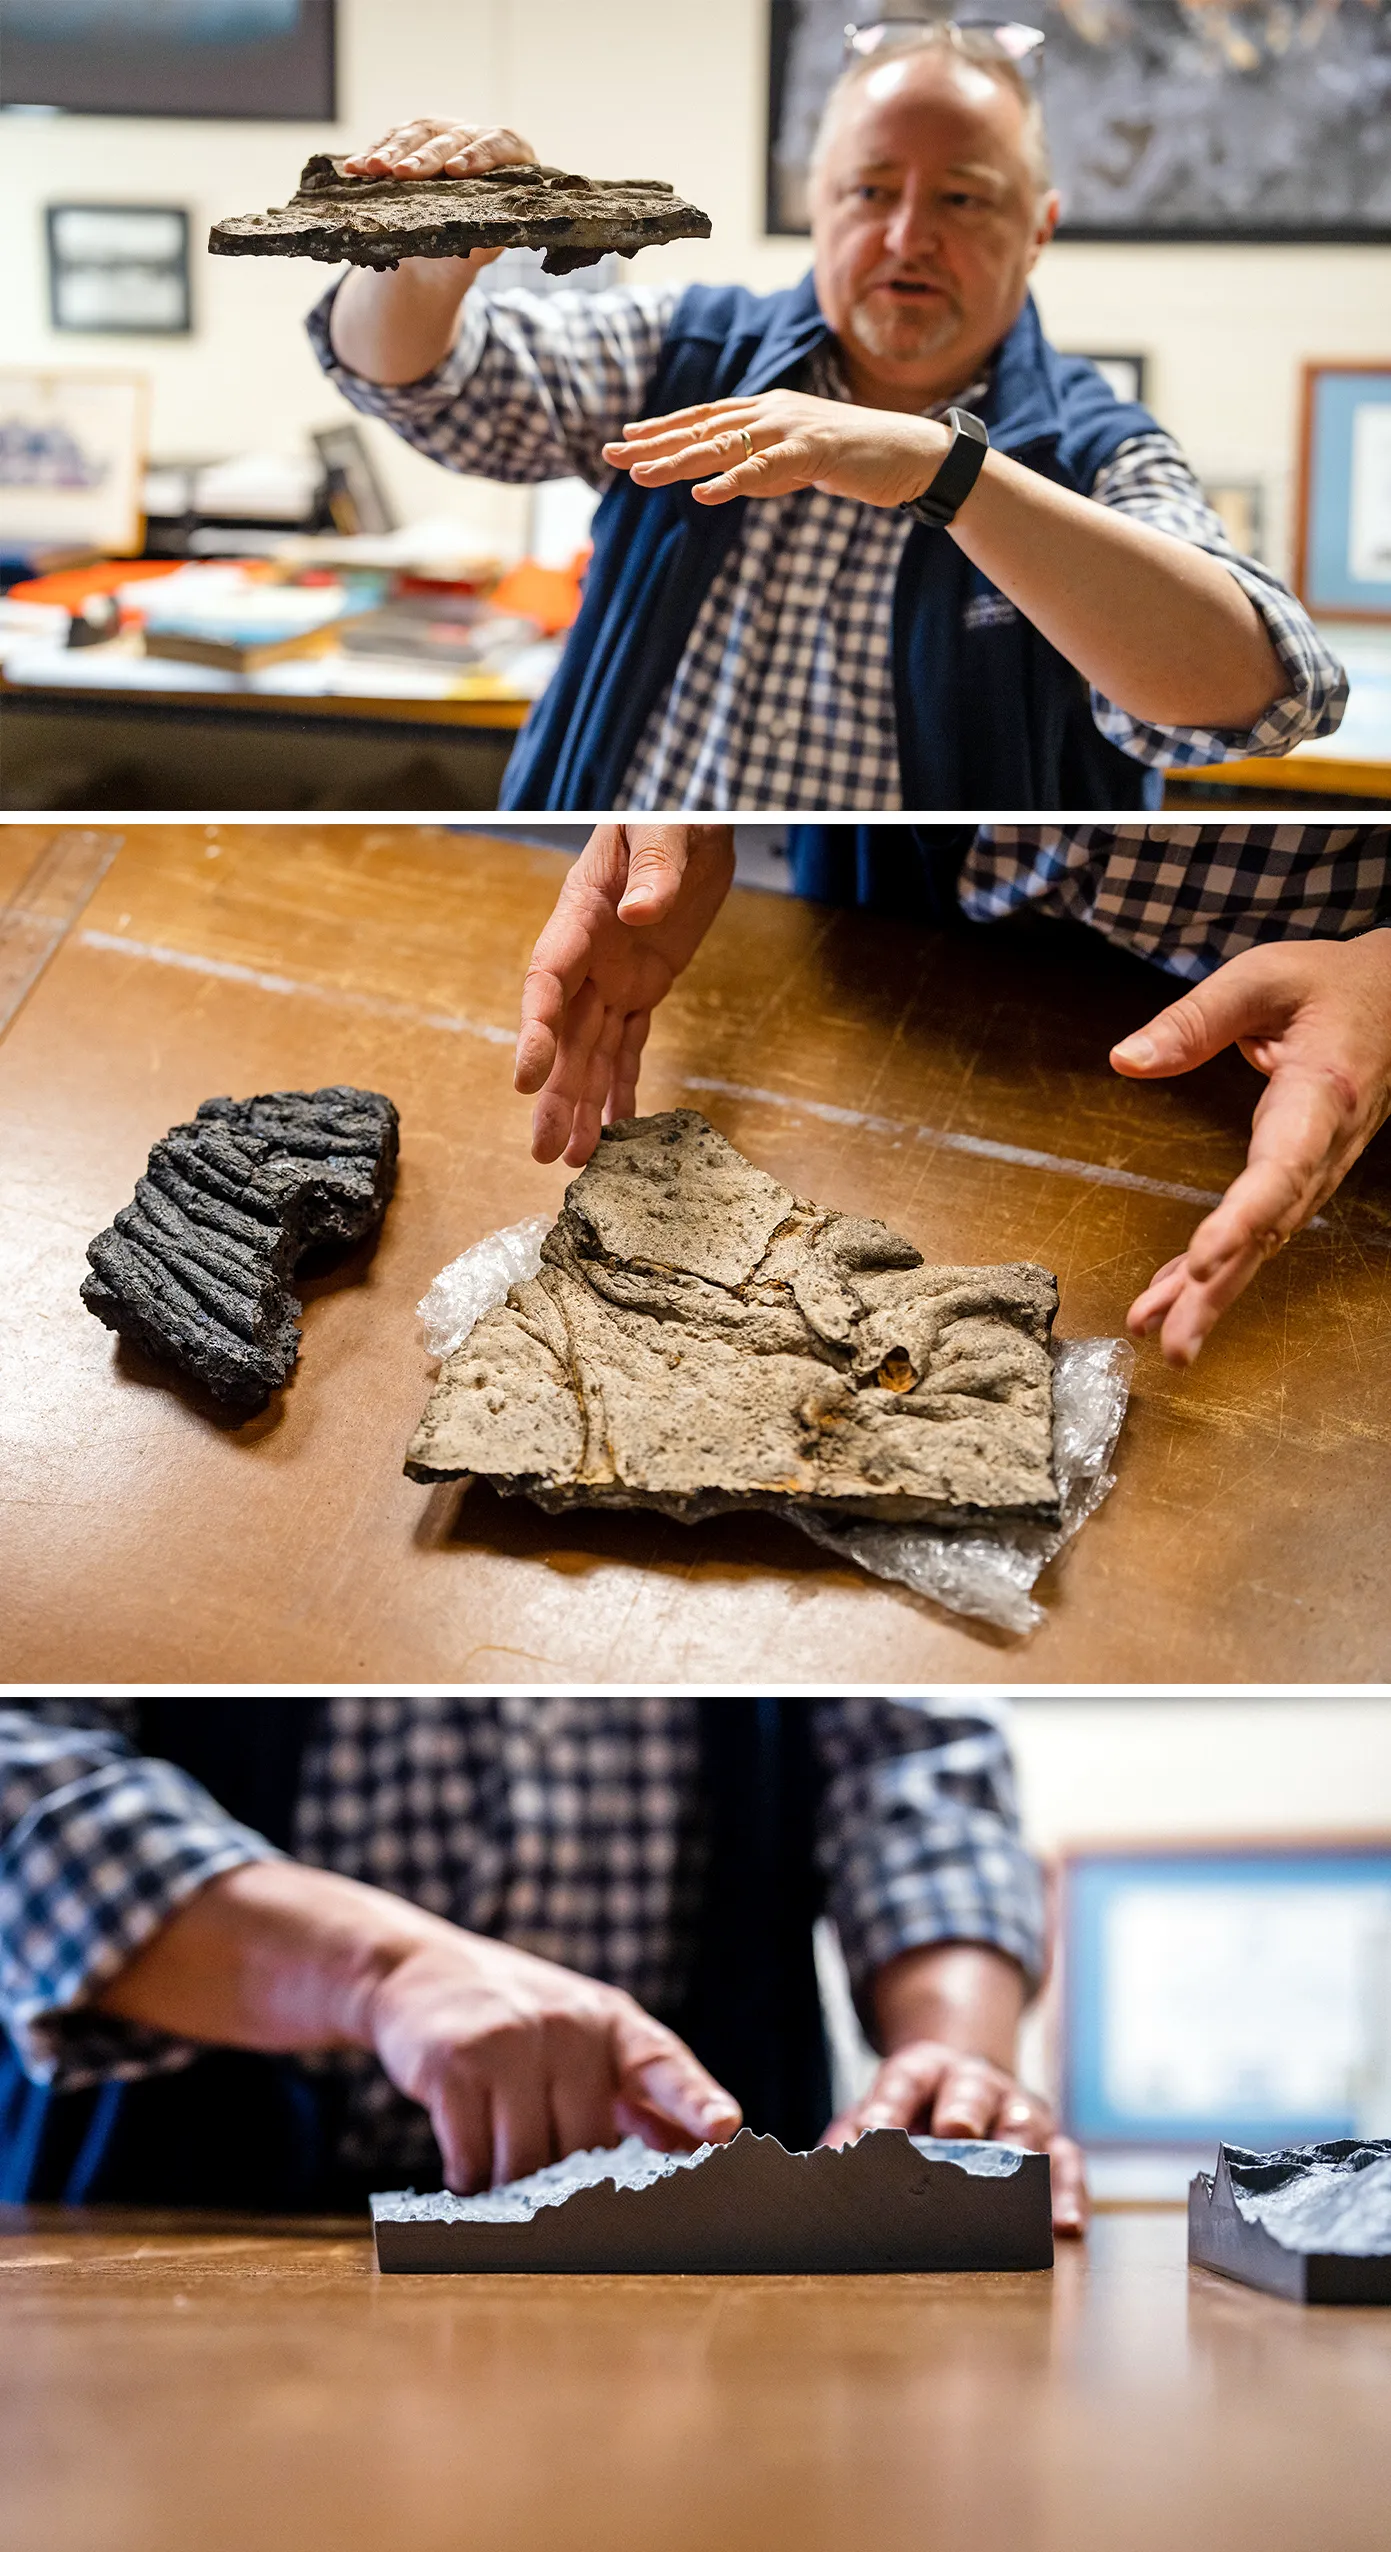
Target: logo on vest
{"points": [[988, 611]]}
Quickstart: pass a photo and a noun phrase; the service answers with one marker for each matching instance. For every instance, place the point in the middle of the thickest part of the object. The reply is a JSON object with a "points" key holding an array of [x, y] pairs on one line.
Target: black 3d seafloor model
{"points": [[701, 1340], [891, 2203], [373, 221], [1312, 2222], [196, 1269]]}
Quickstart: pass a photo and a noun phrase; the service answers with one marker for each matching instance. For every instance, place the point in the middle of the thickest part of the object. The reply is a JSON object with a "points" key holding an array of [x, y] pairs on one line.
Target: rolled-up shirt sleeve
{"points": [[919, 1838], [1149, 479], [98, 1847], [534, 386]]}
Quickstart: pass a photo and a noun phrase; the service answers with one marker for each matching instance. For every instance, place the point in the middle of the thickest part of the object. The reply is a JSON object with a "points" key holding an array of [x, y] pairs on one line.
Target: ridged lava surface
{"points": [[892, 2202], [376, 221], [1311, 2222], [196, 1269], [701, 1339]]}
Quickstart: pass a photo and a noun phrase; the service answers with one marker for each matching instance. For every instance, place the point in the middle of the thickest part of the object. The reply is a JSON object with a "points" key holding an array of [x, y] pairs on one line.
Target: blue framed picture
{"points": [[1237, 1992], [1343, 549]]}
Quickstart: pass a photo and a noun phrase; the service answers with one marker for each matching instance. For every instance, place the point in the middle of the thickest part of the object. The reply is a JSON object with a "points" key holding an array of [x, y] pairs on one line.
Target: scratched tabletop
{"points": [[956, 1087], [201, 2385]]}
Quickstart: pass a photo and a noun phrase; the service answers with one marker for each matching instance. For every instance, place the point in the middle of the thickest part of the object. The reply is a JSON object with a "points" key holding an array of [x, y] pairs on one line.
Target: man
{"points": [[788, 635], [1313, 1014], [459, 1938]]}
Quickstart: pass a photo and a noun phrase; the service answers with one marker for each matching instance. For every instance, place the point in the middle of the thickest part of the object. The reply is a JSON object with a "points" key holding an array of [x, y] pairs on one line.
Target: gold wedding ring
{"points": [[747, 440]]}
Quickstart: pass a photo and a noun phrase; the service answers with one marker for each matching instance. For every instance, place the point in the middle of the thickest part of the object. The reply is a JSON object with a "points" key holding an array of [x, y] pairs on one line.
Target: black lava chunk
{"points": [[196, 1269]]}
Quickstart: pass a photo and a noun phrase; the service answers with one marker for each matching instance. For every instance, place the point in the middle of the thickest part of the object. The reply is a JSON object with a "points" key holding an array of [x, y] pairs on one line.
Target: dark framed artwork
{"points": [[267, 60], [1168, 119], [1343, 518], [118, 270]]}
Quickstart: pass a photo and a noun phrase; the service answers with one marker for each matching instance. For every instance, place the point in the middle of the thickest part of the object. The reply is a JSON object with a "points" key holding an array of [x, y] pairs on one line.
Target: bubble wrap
{"points": [[987, 1572]]}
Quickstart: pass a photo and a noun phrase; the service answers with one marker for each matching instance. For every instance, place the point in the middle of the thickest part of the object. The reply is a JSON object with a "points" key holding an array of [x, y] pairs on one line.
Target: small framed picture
{"points": [[1343, 525], [72, 459], [1123, 373], [119, 270]]}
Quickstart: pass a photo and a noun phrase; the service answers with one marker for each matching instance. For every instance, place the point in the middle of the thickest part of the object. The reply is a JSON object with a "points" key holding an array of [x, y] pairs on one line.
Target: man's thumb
{"points": [[656, 866], [1235, 1002]]}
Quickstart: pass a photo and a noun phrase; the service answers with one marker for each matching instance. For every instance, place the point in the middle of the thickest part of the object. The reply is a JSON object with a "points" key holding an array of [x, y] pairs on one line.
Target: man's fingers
{"points": [[623, 1084], [1072, 2204], [903, 2087], [657, 2073], [554, 1113], [521, 2126], [582, 2093], [462, 2120], [1248, 997], [657, 855], [589, 1106], [968, 2102], [543, 1016]]}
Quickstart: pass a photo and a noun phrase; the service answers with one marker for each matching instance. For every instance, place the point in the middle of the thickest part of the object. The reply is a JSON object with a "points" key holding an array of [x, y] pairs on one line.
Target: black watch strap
{"points": [[957, 473]]}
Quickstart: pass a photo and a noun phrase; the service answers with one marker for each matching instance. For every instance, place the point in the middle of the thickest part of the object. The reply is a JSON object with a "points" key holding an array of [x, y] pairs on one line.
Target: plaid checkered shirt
{"points": [[569, 1827], [783, 698]]}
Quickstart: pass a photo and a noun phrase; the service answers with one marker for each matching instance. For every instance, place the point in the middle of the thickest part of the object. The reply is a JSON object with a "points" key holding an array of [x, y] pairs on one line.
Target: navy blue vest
{"points": [[260, 2132], [988, 713]]}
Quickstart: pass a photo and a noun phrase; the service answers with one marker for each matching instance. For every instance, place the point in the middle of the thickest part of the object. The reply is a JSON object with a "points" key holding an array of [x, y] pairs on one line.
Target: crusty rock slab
{"points": [[700, 1339], [376, 221], [196, 1269], [891, 2203], [1311, 2222]]}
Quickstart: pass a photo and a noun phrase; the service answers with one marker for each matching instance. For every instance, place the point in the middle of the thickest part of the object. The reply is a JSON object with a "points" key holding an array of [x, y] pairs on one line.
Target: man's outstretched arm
{"points": [[1315, 1017], [395, 326], [1155, 624], [630, 916], [517, 2061]]}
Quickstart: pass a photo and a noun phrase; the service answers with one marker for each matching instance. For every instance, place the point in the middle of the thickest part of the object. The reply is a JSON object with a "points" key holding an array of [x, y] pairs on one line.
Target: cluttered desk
{"points": [[956, 1091]]}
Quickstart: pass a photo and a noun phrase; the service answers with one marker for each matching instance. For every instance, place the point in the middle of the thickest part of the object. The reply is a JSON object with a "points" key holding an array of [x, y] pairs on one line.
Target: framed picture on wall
{"points": [[1237, 1992], [1124, 373], [1343, 526], [1167, 119], [268, 59], [72, 459], [118, 269]]}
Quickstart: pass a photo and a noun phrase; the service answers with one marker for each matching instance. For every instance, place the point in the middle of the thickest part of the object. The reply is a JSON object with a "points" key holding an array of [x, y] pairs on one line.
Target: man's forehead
{"points": [[883, 120]]}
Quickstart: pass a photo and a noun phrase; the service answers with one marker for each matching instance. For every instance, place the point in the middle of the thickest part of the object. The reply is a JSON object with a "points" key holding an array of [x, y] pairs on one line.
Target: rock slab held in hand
{"points": [[196, 1269], [376, 221], [892, 2202], [700, 1339]]}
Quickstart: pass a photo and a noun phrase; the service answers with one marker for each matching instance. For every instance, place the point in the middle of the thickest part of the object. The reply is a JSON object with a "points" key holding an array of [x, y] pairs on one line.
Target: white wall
{"points": [[621, 87]]}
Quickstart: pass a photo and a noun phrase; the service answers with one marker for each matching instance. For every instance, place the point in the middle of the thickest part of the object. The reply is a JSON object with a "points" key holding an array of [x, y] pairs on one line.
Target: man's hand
{"points": [[931, 2089], [396, 325], [780, 441], [1315, 1017], [439, 146], [519, 2062], [631, 914]]}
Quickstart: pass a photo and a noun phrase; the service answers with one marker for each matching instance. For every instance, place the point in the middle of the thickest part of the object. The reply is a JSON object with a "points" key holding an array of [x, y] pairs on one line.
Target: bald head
{"points": [[930, 204]]}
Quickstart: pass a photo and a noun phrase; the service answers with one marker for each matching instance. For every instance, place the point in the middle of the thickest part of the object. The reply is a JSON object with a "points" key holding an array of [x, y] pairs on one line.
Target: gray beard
{"points": [[906, 337]]}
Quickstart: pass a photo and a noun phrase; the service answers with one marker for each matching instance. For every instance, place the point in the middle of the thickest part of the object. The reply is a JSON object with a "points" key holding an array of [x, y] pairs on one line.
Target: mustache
{"points": [[889, 275]]}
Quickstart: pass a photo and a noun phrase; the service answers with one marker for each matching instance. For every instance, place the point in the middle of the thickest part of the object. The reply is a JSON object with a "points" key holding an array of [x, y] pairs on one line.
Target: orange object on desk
{"points": [[548, 595], [73, 586]]}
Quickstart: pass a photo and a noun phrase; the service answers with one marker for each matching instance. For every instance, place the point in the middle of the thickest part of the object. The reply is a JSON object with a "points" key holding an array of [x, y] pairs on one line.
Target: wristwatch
{"points": [[957, 472]]}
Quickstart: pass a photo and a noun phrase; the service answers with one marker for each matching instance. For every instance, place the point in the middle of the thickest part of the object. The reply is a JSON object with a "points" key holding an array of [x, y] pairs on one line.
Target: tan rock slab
{"points": [[376, 221], [700, 1339]]}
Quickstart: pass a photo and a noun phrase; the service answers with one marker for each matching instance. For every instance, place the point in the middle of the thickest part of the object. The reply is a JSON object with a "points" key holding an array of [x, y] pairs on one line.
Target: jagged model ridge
{"points": [[1311, 2222], [700, 1339], [892, 2202], [376, 221], [196, 1269]]}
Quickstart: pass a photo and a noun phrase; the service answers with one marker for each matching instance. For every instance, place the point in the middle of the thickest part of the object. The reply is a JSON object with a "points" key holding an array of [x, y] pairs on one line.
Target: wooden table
{"points": [[165, 2388], [957, 1088]]}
